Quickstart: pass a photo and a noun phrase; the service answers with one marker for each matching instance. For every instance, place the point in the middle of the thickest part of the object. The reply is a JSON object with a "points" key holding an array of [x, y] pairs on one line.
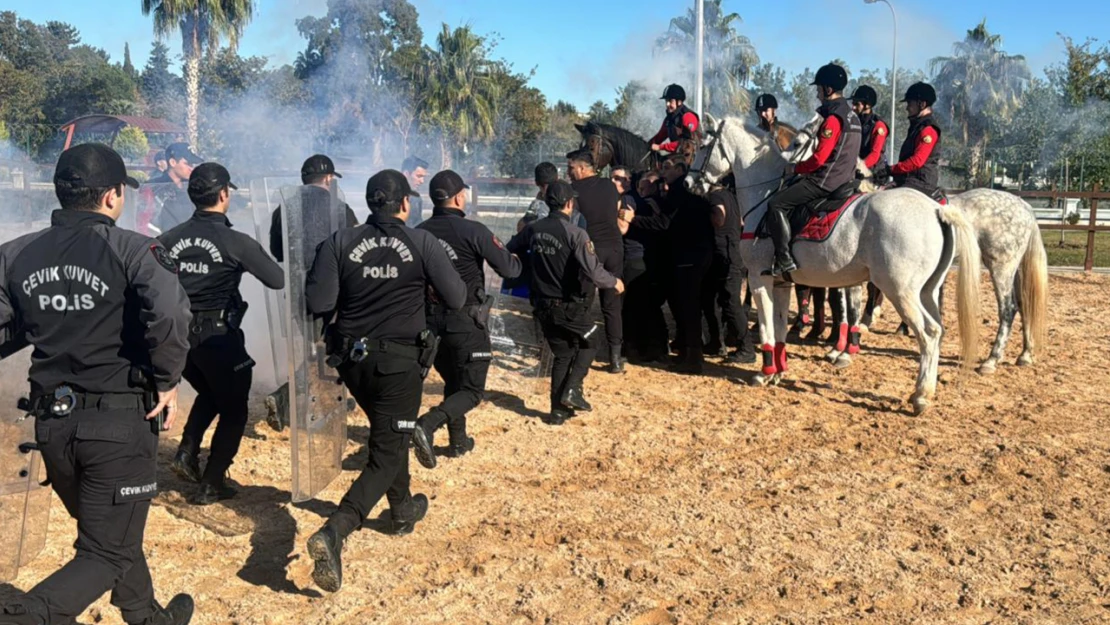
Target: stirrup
{"points": [[779, 268]]}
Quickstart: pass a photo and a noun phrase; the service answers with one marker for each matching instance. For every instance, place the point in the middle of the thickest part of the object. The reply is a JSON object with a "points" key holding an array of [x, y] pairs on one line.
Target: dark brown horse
{"points": [[614, 146]]}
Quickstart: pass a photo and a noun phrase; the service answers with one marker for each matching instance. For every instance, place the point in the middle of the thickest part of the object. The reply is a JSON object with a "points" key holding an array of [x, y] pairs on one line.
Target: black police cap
{"points": [[558, 194], [318, 165], [182, 151], [446, 185], [209, 177], [92, 166], [388, 185]]}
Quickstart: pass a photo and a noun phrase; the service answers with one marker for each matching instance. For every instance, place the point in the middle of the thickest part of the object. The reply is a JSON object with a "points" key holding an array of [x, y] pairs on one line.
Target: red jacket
{"points": [[689, 123]]}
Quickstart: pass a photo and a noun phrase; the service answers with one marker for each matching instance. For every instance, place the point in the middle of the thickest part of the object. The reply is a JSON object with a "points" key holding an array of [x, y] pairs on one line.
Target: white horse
{"points": [[900, 239]]}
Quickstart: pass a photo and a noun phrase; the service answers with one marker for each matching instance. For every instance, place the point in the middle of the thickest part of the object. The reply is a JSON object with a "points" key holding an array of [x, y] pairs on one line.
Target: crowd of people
{"points": [[117, 318]]}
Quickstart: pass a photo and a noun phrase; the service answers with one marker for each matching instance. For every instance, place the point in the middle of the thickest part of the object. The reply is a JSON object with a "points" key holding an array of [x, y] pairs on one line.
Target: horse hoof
{"points": [[832, 355], [759, 380], [1024, 360], [864, 328], [920, 405], [776, 379], [843, 362], [987, 368]]}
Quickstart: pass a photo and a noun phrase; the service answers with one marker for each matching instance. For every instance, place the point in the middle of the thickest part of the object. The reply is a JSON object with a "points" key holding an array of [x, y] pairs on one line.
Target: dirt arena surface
{"points": [[701, 500]]}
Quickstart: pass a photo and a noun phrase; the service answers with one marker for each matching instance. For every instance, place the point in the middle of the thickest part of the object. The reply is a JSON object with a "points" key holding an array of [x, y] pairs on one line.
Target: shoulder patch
{"points": [[163, 257], [826, 133], [590, 247], [927, 139], [880, 131], [497, 242]]}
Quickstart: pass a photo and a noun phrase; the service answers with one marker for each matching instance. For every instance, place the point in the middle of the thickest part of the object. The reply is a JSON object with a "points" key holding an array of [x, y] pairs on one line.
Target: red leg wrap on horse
{"points": [[853, 340], [842, 338], [768, 359], [780, 358]]}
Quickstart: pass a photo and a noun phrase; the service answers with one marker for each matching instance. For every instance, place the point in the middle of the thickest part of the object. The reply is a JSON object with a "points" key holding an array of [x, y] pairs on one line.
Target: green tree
{"points": [[131, 143], [203, 24], [128, 68], [162, 90], [600, 112], [978, 81], [729, 56]]}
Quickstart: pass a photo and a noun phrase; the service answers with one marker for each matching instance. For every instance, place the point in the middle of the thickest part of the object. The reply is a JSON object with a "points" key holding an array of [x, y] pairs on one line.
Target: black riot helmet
{"points": [[832, 76], [764, 102], [674, 92], [921, 91], [865, 95]]}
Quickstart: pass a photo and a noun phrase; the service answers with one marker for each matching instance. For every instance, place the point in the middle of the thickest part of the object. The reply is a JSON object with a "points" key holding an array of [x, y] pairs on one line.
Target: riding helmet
{"points": [[921, 91], [832, 76], [866, 95], [764, 102], [674, 92]]}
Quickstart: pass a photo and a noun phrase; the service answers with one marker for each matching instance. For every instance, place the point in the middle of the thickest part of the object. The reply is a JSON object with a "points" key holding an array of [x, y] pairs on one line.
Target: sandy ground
{"points": [[700, 500]]}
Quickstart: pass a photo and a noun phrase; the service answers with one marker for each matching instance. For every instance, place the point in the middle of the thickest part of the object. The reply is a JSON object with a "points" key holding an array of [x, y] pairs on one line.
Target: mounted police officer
{"points": [[766, 107], [565, 271], [874, 131], [832, 165], [465, 350], [680, 124], [109, 323], [211, 259], [373, 279], [917, 166]]}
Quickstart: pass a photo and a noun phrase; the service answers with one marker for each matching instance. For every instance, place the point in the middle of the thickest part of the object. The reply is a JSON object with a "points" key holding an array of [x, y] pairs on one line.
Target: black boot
{"points": [[460, 447], [422, 440], [575, 399], [213, 490], [185, 463], [616, 363], [558, 416], [779, 223], [179, 611], [405, 522], [325, 548]]}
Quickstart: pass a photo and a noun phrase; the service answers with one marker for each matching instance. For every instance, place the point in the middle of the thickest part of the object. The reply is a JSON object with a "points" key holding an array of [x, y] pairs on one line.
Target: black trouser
{"points": [[463, 363], [721, 289], [612, 259], [220, 370], [102, 462], [633, 312], [568, 331], [686, 298], [387, 387], [782, 205]]}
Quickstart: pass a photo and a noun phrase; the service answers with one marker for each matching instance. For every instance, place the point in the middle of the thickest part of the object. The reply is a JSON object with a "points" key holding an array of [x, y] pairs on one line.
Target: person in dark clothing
{"points": [[691, 239], [373, 280], [465, 351], [646, 293], [211, 260], [565, 271], [167, 195], [598, 202], [832, 165], [318, 176], [415, 170], [721, 288], [109, 323]]}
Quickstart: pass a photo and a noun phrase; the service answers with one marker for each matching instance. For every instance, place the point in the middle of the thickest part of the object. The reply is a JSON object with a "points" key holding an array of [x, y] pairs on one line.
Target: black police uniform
{"points": [[464, 350], [172, 203], [211, 260], [109, 321], [691, 239], [722, 283], [374, 277], [645, 295], [598, 201], [565, 269], [316, 201]]}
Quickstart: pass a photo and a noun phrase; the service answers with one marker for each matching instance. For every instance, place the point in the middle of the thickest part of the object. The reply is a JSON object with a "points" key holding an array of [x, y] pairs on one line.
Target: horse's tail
{"points": [[1033, 289], [967, 301]]}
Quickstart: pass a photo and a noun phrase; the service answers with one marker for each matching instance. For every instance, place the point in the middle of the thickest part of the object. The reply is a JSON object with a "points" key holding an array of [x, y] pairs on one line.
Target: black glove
{"points": [[880, 174]]}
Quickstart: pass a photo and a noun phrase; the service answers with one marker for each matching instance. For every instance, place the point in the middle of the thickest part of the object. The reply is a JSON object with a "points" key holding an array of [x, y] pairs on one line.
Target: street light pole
{"points": [[893, 77], [699, 86]]}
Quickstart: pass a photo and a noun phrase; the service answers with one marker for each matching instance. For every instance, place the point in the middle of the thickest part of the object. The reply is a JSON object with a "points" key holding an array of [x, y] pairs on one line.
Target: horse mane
{"points": [[624, 142]]}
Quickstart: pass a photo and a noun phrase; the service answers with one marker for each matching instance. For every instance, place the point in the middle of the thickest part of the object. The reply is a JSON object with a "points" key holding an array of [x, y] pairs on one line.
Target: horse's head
{"points": [[711, 162], [593, 138], [804, 142]]}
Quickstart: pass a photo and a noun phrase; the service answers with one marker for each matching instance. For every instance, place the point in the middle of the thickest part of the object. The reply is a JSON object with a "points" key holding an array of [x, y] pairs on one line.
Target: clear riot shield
{"points": [[317, 398], [24, 502], [521, 359], [162, 205]]}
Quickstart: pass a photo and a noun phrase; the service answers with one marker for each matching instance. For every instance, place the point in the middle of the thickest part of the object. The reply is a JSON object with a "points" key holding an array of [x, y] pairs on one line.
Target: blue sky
{"points": [[583, 49]]}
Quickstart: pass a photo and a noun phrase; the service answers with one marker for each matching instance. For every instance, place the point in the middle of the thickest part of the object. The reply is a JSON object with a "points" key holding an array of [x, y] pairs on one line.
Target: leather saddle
{"points": [[804, 214]]}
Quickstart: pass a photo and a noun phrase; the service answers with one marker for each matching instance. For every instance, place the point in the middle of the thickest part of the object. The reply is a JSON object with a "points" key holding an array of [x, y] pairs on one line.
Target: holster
{"points": [[481, 312], [428, 344]]}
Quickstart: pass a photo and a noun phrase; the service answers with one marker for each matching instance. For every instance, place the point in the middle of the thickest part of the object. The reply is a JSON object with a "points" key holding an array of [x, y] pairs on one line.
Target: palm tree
{"points": [[459, 91], [203, 24], [729, 56], [977, 82]]}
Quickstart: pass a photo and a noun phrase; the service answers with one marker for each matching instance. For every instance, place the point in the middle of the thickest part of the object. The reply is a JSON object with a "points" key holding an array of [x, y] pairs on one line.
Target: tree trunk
{"points": [[192, 86], [444, 152], [975, 174]]}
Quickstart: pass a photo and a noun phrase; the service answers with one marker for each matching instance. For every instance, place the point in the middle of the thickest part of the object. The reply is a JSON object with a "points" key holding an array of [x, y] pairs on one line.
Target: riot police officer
{"points": [[168, 191], [319, 177], [211, 259], [464, 350], [109, 323], [565, 269], [374, 278]]}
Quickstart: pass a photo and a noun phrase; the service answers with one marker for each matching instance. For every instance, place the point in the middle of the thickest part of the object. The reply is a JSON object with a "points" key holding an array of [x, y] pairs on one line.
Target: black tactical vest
{"points": [[927, 178], [841, 166], [867, 137], [675, 130], [456, 236]]}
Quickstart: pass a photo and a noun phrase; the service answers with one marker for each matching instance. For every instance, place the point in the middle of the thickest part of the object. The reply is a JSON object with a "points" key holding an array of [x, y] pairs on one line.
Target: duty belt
{"points": [[440, 309], [356, 350], [218, 319], [65, 400]]}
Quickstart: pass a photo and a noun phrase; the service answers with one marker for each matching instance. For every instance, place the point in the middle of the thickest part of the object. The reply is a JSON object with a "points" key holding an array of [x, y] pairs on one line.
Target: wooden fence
{"points": [[1091, 227]]}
